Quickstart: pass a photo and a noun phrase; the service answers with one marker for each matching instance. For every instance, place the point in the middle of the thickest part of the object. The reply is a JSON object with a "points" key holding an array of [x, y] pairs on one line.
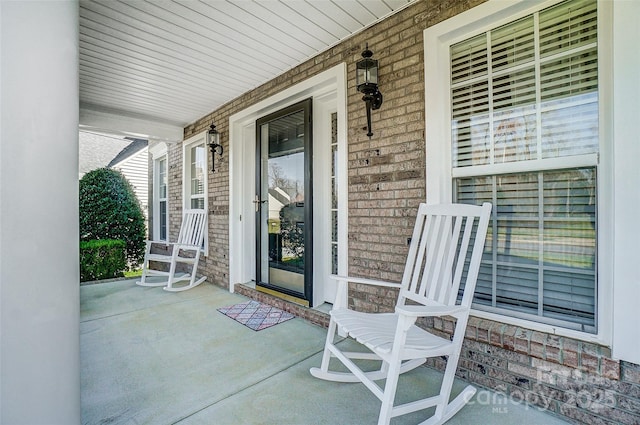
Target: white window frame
{"points": [[198, 139], [437, 40], [158, 153]]}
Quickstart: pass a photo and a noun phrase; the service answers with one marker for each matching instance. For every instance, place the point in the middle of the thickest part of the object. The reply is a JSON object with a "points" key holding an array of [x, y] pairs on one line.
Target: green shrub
{"points": [[109, 209], [102, 259]]}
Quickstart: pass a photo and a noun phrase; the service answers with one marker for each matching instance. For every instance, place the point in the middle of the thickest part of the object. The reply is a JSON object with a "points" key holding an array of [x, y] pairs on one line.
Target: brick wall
{"points": [[386, 173], [578, 380], [386, 184]]}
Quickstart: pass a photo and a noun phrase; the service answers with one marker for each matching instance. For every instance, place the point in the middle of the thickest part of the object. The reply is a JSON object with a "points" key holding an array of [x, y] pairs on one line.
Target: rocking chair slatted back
{"points": [[441, 253], [445, 252], [186, 250], [192, 229]]}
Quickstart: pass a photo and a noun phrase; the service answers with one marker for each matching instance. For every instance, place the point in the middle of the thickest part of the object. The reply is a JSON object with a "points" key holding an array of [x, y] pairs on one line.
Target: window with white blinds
{"points": [[525, 137]]}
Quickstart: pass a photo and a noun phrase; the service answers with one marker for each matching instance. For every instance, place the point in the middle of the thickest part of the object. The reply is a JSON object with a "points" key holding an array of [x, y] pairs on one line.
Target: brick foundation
{"points": [[575, 379], [314, 316]]}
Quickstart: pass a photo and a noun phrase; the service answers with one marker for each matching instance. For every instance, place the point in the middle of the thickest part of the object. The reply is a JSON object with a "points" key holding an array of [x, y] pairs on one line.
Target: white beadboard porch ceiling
{"points": [[174, 61]]}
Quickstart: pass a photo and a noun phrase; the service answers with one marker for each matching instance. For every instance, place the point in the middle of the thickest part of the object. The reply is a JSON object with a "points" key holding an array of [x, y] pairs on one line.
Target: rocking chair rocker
{"points": [[446, 249], [185, 250]]}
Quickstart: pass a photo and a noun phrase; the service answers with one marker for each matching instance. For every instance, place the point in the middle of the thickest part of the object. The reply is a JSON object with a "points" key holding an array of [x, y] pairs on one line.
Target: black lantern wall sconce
{"points": [[213, 140], [367, 84]]}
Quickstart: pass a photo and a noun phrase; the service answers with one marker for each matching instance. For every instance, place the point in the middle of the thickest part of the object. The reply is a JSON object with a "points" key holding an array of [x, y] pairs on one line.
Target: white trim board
{"points": [[328, 90]]}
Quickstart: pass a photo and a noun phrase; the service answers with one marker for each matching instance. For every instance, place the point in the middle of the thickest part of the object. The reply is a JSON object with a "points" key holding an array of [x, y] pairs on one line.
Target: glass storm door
{"points": [[283, 202]]}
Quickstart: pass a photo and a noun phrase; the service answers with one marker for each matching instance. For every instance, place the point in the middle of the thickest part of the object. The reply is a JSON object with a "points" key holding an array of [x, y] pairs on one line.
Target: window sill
{"points": [[542, 327]]}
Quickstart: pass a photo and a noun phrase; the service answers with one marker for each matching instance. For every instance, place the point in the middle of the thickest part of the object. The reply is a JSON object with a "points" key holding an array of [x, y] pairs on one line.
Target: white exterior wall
{"points": [[136, 170], [39, 272], [626, 116]]}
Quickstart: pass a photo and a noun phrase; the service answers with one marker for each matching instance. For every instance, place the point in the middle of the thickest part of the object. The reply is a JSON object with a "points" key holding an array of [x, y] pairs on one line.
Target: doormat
{"points": [[256, 315]]}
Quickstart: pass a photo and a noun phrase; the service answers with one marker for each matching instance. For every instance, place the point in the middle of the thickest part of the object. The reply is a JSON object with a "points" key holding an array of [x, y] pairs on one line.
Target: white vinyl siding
{"points": [[525, 136], [136, 170]]}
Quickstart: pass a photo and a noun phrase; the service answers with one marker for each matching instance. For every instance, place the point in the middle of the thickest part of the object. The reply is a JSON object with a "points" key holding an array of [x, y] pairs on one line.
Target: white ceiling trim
{"points": [[128, 126], [175, 61]]}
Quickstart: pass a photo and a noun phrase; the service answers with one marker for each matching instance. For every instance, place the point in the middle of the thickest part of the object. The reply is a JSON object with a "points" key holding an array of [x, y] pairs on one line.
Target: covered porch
{"points": [[148, 356]]}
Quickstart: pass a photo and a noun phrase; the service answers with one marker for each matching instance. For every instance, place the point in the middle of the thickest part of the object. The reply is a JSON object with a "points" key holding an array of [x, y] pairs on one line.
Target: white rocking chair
{"points": [[445, 249], [185, 250]]}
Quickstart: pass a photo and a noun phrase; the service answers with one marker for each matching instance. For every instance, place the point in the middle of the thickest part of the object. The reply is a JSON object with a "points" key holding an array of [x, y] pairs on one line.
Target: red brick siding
{"points": [[576, 379]]}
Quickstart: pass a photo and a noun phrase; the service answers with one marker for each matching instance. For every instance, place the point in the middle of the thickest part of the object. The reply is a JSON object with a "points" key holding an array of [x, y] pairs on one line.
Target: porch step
{"points": [[309, 314]]}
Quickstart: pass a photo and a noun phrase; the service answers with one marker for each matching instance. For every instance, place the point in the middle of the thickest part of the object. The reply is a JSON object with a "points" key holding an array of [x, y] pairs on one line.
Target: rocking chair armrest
{"points": [[165, 243], [175, 245], [185, 246], [365, 281], [431, 310]]}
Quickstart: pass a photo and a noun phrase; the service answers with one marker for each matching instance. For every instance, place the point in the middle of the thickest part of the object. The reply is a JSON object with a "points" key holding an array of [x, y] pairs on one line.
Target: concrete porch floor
{"points": [[154, 357]]}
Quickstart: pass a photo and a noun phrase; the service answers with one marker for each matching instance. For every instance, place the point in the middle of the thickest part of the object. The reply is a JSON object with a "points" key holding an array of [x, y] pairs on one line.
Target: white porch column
{"points": [[39, 276]]}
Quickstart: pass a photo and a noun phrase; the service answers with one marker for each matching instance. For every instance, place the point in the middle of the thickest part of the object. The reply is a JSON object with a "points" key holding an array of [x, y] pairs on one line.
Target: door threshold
{"points": [[315, 316], [285, 297]]}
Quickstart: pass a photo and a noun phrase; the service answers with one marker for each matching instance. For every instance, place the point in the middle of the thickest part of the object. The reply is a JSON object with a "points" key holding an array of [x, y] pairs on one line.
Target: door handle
{"points": [[257, 202]]}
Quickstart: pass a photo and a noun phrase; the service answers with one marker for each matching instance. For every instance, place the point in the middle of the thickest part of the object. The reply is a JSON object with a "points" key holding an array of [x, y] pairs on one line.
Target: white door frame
{"points": [[328, 90]]}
